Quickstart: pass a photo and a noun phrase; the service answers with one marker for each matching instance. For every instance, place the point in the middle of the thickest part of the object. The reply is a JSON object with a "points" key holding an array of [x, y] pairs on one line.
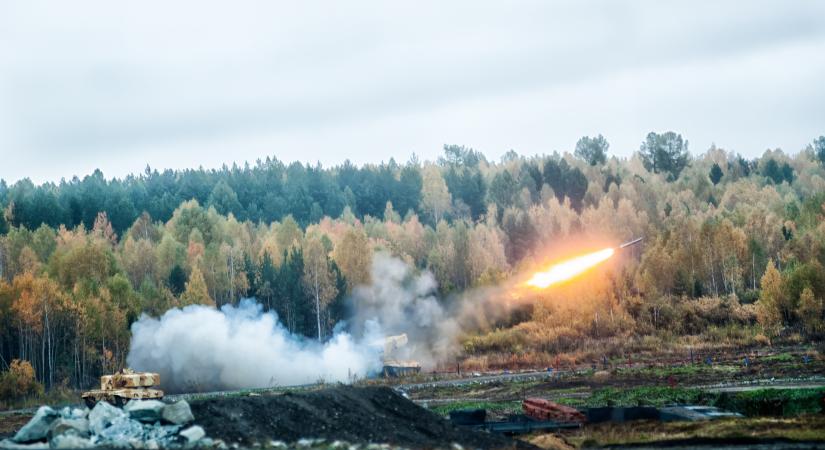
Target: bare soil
{"points": [[9, 424], [352, 414]]}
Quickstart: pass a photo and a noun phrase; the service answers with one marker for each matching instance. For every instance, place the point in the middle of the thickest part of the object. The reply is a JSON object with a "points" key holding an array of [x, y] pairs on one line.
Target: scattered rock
{"points": [[139, 425], [145, 410], [77, 427], [38, 427], [193, 434], [102, 416], [69, 441], [178, 413]]}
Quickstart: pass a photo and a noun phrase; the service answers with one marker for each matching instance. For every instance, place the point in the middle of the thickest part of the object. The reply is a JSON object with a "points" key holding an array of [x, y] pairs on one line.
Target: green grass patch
{"points": [[761, 402], [781, 357], [774, 402], [758, 403], [508, 407], [643, 396], [685, 370]]}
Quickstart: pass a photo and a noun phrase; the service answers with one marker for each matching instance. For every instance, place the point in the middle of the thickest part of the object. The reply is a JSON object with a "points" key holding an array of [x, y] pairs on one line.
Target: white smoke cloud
{"points": [[198, 348]]}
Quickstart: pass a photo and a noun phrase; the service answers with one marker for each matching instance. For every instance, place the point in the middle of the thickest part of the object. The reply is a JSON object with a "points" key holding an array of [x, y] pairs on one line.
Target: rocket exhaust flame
{"points": [[568, 269]]}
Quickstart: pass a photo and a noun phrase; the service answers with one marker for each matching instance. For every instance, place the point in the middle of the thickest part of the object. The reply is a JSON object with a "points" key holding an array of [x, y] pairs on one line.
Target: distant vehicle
{"points": [[394, 367], [123, 386]]}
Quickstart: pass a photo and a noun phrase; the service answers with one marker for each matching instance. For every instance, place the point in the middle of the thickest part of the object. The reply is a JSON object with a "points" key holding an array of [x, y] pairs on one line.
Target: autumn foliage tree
{"points": [[196, 292], [19, 381], [772, 305], [729, 241]]}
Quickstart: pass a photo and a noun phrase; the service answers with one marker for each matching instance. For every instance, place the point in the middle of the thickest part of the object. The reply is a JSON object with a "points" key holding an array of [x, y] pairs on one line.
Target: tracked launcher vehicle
{"points": [[123, 386], [394, 367]]}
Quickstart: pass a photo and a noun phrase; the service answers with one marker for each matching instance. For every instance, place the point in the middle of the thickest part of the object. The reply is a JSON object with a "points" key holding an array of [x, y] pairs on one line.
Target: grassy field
{"points": [[780, 415], [759, 402], [803, 428], [493, 408]]}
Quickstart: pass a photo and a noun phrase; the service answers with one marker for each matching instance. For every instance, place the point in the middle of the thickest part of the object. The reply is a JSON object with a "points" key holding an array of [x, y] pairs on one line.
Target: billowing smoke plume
{"points": [[202, 349], [199, 348], [402, 301]]}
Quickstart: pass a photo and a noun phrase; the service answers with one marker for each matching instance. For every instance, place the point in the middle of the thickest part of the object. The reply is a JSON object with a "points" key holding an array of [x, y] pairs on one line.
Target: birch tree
{"points": [[318, 279]]}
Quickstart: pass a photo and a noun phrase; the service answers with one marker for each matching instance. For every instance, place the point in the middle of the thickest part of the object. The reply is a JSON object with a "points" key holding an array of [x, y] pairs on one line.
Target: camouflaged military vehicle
{"points": [[123, 386]]}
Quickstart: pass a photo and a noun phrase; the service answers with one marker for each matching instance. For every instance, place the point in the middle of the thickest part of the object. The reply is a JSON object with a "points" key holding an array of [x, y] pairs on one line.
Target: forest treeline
{"points": [[728, 240]]}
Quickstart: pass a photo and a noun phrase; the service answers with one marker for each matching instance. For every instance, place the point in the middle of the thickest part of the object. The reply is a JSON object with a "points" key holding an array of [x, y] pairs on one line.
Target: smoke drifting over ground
{"points": [[402, 301], [199, 348]]}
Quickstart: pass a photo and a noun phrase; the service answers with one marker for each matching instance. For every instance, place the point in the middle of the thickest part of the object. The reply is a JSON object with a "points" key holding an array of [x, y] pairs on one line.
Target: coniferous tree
{"points": [[715, 174], [819, 149], [177, 280]]}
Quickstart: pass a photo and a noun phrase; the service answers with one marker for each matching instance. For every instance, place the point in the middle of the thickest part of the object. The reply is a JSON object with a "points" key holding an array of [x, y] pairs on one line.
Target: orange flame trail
{"points": [[568, 269]]}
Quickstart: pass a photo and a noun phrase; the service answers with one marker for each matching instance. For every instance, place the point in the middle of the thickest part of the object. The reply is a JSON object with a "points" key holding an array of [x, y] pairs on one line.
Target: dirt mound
{"points": [[356, 415]]}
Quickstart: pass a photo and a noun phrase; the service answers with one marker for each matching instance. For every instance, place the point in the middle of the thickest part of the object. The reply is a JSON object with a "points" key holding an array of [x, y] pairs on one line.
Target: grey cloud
{"points": [[96, 80]]}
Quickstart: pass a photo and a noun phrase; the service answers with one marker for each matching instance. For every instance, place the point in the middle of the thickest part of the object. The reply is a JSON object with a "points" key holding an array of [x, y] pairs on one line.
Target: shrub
{"points": [[761, 339], [18, 382], [510, 339]]}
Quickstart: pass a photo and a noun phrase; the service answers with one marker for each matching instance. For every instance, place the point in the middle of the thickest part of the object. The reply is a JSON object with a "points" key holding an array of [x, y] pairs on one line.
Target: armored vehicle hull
{"points": [[123, 386]]}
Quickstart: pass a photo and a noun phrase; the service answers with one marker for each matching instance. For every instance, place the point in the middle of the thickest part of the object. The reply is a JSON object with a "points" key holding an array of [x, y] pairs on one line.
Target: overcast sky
{"points": [[88, 84]]}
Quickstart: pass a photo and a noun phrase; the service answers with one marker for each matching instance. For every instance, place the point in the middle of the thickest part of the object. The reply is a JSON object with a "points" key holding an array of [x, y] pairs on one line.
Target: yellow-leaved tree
{"points": [[354, 256], [771, 300], [18, 382], [196, 292]]}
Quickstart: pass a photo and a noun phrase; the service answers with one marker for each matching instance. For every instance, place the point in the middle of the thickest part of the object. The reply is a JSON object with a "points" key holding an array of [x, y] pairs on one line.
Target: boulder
{"points": [[145, 410], [68, 441], [178, 413], [193, 434], [74, 413], [77, 427], [38, 427], [102, 416], [121, 432], [163, 435]]}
